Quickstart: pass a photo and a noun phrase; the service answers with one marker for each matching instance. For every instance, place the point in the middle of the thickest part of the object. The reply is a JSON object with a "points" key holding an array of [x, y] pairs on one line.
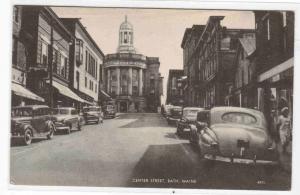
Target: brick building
{"points": [[47, 33], [174, 92], [20, 50], [132, 80], [209, 58], [274, 59]]}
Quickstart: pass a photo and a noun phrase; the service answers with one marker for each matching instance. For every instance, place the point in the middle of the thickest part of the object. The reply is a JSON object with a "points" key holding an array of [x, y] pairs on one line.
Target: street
{"points": [[132, 150]]}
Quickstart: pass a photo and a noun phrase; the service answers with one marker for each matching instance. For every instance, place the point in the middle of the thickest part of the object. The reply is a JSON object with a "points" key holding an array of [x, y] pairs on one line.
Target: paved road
{"points": [[133, 150]]}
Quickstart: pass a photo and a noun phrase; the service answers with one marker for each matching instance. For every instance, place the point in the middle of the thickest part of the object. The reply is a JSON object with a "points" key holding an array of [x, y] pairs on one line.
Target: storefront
{"points": [[22, 96]]}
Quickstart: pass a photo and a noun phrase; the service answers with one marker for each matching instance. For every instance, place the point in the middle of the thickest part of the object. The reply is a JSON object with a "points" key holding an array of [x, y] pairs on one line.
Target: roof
{"points": [[249, 45], [235, 109], [65, 108]]}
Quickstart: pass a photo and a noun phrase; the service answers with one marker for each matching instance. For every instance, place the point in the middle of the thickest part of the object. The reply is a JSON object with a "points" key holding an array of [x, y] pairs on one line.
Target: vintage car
{"points": [[233, 134], [175, 114], [92, 114], [109, 111], [31, 121], [189, 115], [167, 108], [66, 119]]}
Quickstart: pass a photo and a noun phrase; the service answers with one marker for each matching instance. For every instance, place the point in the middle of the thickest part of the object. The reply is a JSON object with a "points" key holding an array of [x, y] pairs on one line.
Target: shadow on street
{"points": [[169, 166]]}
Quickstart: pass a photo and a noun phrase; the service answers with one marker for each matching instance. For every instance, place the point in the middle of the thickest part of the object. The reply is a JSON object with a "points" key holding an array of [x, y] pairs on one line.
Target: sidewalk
{"points": [[285, 159]]}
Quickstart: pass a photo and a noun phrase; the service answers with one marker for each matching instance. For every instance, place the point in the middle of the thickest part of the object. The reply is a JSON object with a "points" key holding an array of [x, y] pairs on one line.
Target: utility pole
{"points": [[51, 68]]}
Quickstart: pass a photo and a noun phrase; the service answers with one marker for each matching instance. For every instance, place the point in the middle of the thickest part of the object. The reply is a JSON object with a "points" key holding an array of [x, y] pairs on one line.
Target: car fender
{"points": [[49, 123], [25, 126]]}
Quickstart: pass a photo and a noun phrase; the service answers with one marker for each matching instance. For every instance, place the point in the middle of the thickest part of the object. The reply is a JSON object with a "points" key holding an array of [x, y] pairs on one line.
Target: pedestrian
{"points": [[284, 128]]}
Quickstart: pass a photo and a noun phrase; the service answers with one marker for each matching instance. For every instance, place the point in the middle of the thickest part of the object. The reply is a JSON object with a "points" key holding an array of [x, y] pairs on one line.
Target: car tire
{"points": [[51, 132], [27, 137]]}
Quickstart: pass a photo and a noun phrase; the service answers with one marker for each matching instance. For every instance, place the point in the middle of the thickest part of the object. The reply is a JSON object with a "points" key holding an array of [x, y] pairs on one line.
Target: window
{"points": [[44, 53], [268, 29], [74, 112], [95, 87], [240, 118], [15, 51], [16, 14], [284, 19], [86, 60], [85, 82], [79, 51], [55, 60], [77, 79], [125, 37]]}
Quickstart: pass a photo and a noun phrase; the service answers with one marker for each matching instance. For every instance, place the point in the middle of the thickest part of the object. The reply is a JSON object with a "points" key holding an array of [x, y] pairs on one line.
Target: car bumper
{"points": [[239, 160], [92, 118]]}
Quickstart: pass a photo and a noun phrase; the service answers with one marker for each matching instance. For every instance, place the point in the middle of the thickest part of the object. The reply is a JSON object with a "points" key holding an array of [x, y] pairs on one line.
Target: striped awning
{"points": [[19, 90]]}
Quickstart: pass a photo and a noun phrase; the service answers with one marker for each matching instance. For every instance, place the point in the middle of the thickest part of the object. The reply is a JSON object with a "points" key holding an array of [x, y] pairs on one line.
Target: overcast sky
{"points": [[157, 32]]}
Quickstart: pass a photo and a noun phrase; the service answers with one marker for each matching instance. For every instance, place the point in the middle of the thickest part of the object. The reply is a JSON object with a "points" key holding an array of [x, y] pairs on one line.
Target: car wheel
{"points": [[51, 132], [27, 137], [79, 126]]}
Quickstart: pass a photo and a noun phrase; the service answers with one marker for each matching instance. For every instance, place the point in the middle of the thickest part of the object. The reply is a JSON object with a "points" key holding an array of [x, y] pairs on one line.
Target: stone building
{"points": [[174, 92], [131, 79]]}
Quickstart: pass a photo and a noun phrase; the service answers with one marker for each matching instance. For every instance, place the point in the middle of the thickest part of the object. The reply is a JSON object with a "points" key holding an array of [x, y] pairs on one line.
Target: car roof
{"points": [[32, 106], [235, 109], [193, 108], [91, 107]]}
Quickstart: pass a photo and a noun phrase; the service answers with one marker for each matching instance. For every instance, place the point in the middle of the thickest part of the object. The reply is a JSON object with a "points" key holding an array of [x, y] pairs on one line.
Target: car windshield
{"points": [[21, 112], [60, 111], [240, 118], [190, 113], [93, 109], [109, 107]]}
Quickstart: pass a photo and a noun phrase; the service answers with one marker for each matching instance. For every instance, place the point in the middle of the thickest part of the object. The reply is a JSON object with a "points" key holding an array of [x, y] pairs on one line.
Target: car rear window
{"points": [[239, 118]]}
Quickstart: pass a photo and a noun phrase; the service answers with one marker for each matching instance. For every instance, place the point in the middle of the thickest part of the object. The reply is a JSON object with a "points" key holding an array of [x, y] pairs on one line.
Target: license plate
{"points": [[242, 144]]}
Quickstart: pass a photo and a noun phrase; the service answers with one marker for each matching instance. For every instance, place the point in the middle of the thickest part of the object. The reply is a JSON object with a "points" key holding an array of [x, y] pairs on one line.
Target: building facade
{"points": [[48, 56], [20, 94], [86, 63], [174, 92], [132, 80], [274, 59], [210, 62]]}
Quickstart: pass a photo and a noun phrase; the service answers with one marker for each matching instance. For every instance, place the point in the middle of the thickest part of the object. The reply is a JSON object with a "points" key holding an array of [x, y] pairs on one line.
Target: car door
{"points": [[38, 120]]}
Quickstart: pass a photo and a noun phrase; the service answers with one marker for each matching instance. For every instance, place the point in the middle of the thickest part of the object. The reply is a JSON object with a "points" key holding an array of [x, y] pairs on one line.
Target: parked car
{"points": [[66, 119], [189, 115], [168, 110], [31, 121], [92, 114], [234, 134], [109, 111], [175, 114]]}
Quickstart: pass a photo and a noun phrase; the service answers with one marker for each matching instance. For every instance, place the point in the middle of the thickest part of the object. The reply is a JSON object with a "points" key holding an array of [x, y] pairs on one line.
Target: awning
{"points": [[105, 94], [66, 91], [276, 70], [22, 91]]}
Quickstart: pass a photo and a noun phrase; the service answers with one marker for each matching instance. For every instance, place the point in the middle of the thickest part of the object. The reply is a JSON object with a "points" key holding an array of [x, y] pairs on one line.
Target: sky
{"points": [[157, 32]]}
